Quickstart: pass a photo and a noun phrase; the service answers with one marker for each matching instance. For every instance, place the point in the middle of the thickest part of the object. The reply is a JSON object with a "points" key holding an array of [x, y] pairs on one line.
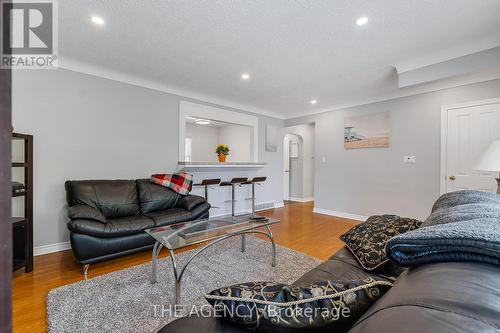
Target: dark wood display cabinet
{"points": [[22, 226]]}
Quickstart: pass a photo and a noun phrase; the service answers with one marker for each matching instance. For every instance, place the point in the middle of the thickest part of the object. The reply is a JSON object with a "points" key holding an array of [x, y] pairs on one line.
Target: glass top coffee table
{"points": [[214, 230]]}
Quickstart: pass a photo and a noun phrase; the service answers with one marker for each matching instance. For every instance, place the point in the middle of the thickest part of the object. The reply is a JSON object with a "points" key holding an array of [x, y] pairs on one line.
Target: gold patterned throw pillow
{"points": [[367, 240], [274, 307]]}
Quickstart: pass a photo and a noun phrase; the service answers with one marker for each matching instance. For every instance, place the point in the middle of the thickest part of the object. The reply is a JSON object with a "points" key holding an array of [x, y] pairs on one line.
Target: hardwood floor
{"points": [[300, 229]]}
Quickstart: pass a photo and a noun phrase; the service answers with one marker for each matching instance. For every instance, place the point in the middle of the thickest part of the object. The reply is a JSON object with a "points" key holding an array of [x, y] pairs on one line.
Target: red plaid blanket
{"points": [[181, 182]]}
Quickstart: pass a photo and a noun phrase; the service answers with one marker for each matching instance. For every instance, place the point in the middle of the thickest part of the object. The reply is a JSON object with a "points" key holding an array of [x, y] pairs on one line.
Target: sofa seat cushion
{"points": [[122, 226], [170, 216]]}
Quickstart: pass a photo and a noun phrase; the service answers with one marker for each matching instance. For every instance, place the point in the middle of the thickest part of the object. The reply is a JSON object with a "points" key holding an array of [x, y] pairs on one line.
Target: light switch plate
{"points": [[409, 159], [323, 159]]}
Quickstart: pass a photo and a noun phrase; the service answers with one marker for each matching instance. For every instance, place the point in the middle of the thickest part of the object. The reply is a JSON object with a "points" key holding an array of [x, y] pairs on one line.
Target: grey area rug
{"points": [[126, 301]]}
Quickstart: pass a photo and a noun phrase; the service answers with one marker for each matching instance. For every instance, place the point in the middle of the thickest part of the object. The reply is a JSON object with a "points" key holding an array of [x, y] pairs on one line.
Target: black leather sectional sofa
{"points": [[450, 297], [443, 297], [108, 217]]}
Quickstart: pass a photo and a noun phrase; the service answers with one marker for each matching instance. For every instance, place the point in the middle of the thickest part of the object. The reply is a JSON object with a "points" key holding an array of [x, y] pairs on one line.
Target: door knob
{"points": [[451, 178], [286, 170]]}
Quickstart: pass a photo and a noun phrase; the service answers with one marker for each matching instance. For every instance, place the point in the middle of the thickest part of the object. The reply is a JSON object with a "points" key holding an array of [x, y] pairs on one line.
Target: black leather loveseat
{"points": [[108, 217]]}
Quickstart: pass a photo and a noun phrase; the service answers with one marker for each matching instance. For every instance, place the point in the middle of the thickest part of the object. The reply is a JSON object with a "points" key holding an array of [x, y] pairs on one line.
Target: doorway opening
{"points": [[298, 162]]}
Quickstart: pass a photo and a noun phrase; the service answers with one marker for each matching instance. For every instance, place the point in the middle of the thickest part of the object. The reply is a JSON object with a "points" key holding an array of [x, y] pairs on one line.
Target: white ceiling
{"points": [[295, 51]]}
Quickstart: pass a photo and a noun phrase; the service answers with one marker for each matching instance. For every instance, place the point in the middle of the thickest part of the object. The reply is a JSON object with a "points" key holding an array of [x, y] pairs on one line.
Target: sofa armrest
{"points": [[86, 213], [189, 202]]}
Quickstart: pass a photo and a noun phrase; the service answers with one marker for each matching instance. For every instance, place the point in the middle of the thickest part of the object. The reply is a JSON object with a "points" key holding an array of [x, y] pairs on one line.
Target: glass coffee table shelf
{"points": [[214, 230]]}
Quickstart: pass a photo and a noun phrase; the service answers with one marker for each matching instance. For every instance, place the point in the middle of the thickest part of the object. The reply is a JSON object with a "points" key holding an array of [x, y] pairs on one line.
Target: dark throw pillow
{"points": [[274, 307], [367, 240]]}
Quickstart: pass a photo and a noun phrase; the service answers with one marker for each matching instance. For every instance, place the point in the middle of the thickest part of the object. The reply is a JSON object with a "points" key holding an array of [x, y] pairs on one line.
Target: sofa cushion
{"points": [[275, 307], [445, 297], [153, 197], [367, 240], [117, 227], [170, 216], [114, 198]]}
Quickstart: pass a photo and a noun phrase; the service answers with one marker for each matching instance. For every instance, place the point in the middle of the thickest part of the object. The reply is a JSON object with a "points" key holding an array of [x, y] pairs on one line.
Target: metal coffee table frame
{"points": [[179, 273]]}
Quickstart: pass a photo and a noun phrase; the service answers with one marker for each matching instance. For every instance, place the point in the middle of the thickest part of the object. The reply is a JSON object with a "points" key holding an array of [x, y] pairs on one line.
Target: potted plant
{"points": [[222, 151]]}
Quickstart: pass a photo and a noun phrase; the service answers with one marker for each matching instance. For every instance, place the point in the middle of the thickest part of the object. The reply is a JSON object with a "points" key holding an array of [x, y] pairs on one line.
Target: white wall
{"points": [[306, 132], [375, 180], [204, 140], [296, 168], [86, 127], [239, 139]]}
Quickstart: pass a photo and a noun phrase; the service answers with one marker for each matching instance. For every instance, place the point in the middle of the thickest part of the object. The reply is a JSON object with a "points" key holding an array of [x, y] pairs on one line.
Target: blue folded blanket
{"points": [[464, 226]]}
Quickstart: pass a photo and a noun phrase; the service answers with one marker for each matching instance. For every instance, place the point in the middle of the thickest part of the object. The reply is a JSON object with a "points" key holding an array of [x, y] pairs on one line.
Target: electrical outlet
{"points": [[409, 158]]}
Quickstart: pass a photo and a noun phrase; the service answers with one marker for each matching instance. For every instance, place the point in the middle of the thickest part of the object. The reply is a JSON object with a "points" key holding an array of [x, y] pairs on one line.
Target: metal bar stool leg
{"points": [[233, 183], [243, 242], [206, 183], [255, 180], [232, 200], [253, 200]]}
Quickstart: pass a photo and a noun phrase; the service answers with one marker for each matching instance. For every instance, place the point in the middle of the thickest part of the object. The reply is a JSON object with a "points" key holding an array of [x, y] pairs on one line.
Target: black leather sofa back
{"points": [[153, 197], [114, 198], [450, 297]]}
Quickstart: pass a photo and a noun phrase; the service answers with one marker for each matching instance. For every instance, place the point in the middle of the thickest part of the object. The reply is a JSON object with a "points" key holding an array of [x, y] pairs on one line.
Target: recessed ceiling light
{"points": [[202, 121], [97, 20], [245, 76], [362, 20], [314, 101]]}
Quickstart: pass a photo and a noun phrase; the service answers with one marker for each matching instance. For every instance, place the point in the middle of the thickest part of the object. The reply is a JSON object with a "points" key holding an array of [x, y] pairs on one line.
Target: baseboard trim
{"points": [[51, 248], [340, 214], [307, 199], [63, 246], [279, 204]]}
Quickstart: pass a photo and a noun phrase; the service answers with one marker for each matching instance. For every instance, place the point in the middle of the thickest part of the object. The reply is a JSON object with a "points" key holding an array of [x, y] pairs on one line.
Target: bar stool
{"points": [[233, 183], [206, 183], [255, 180]]}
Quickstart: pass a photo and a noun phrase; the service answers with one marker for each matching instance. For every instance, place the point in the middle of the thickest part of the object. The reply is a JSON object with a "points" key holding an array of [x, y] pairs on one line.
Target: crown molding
{"points": [[406, 92], [85, 68], [106, 73]]}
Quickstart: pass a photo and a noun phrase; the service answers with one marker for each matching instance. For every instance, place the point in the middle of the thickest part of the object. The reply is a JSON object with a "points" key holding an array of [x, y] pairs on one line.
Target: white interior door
{"points": [[286, 168], [468, 131]]}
